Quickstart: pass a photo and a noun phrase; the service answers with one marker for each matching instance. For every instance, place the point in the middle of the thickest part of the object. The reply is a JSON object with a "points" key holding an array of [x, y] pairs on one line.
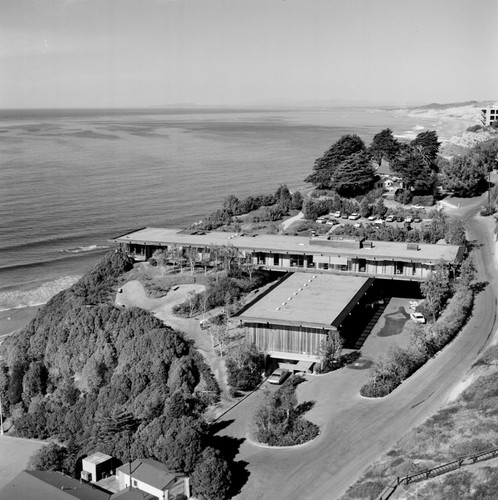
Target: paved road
{"points": [[355, 431]]}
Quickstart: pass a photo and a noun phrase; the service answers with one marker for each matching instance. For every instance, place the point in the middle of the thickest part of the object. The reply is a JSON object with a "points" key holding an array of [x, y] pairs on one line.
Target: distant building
{"points": [[96, 467], [489, 116], [154, 478]]}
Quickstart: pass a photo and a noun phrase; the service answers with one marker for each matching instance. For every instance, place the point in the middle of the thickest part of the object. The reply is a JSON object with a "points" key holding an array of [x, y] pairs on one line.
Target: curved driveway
{"points": [[355, 431]]}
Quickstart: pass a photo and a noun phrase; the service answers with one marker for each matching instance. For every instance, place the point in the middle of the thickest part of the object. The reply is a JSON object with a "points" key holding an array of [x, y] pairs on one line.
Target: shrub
{"points": [[425, 201]]}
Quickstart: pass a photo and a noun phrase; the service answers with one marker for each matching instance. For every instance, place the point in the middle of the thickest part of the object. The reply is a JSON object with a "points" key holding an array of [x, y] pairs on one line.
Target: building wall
{"points": [[283, 338], [489, 116], [124, 482]]}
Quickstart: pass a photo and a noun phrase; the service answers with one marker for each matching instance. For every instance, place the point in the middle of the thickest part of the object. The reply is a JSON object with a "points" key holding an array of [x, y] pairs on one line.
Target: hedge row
{"points": [[400, 363]]}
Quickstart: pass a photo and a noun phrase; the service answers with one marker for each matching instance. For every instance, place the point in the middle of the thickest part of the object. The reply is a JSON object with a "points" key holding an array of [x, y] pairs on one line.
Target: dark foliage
{"points": [[106, 378], [325, 166], [245, 365]]}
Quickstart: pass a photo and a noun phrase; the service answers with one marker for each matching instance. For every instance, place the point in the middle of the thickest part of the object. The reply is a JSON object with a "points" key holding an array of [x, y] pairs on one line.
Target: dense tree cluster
{"points": [[275, 206], [225, 290], [103, 378], [245, 366], [467, 175], [324, 168], [347, 166], [279, 421]]}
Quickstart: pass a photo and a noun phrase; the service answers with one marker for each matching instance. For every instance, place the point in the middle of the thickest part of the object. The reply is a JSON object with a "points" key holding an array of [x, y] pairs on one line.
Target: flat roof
{"points": [[290, 244], [97, 458], [317, 301]]}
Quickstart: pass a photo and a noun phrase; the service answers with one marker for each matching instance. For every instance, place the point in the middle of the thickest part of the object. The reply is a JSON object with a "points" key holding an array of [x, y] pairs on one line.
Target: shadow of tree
{"points": [[480, 286], [361, 364], [304, 407], [229, 448], [394, 323], [220, 425]]}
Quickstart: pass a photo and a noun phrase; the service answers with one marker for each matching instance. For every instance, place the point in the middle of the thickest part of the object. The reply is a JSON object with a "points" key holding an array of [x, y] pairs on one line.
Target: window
{"points": [[398, 268], [134, 483], [362, 265], [414, 269], [276, 259]]}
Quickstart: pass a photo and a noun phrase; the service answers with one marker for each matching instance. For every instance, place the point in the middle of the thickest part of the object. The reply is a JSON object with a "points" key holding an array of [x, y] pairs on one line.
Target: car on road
{"points": [[278, 376], [354, 216], [417, 317]]}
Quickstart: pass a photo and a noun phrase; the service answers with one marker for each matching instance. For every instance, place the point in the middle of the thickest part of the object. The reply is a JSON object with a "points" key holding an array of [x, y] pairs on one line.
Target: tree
{"points": [[245, 365], [414, 170], [365, 209], [283, 198], [436, 288], [325, 166], [465, 176], [381, 208], [468, 272], [428, 145], [297, 200], [455, 232], [50, 457], [211, 477], [384, 146], [330, 350], [354, 176]]}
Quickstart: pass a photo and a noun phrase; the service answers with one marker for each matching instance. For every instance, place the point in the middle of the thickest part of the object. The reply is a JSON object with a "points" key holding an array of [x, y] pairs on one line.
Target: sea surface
{"points": [[70, 180]]}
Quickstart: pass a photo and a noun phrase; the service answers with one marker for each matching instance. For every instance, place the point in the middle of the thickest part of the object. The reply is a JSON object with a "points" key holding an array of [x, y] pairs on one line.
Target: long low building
{"points": [[322, 254], [291, 321]]}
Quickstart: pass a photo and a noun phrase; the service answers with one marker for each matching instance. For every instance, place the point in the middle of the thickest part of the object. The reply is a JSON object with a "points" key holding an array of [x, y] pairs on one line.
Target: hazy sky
{"points": [[112, 53]]}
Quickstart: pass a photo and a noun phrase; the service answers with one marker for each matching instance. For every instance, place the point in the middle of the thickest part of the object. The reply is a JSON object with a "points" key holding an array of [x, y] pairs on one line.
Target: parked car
{"points": [[417, 219], [390, 218], [332, 222], [278, 376], [354, 216], [409, 219], [399, 219], [321, 220], [417, 317], [372, 217], [336, 214], [344, 216]]}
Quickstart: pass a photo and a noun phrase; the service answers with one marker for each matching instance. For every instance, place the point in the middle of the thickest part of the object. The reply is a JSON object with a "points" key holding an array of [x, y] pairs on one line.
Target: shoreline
{"points": [[13, 320]]}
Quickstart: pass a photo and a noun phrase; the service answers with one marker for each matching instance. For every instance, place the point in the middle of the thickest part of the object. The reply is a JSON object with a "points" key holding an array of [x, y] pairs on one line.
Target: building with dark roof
{"points": [[50, 485]]}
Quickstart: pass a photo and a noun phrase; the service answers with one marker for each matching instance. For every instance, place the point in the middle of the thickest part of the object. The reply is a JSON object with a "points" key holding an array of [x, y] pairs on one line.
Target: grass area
{"points": [[467, 425]]}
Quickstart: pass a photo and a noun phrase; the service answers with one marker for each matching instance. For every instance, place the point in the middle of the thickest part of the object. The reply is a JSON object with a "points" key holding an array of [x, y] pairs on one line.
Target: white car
{"points": [[336, 214], [354, 216], [372, 217], [278, 376], [417, 317]]}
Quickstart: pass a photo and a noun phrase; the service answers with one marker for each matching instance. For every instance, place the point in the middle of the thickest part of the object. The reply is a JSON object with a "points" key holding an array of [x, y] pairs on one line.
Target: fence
{"points": [[436, 471]]}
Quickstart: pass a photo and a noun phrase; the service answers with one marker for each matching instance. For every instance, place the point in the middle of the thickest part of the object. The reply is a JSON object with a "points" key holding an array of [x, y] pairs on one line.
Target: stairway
{"points": [[371, 323]]}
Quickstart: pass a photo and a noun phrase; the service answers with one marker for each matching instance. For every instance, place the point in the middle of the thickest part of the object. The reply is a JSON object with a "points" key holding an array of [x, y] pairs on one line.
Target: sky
{"points": [[141, 53]]}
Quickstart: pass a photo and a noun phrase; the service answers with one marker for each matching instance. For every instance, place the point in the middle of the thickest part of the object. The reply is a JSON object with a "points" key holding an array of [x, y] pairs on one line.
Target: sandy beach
{"points": [[13, 319]]}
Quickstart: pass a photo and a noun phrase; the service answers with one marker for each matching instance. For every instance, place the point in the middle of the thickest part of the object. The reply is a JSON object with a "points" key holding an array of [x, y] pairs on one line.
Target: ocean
{"points": [[72, 179]]}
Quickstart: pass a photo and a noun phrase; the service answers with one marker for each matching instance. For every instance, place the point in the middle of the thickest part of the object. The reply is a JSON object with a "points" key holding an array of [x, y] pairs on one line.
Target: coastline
{"points": [[15, 319]]}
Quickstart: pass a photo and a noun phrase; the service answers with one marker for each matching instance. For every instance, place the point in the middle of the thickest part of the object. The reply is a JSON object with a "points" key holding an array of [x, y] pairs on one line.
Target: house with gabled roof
{"points": [[153, 477]]}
